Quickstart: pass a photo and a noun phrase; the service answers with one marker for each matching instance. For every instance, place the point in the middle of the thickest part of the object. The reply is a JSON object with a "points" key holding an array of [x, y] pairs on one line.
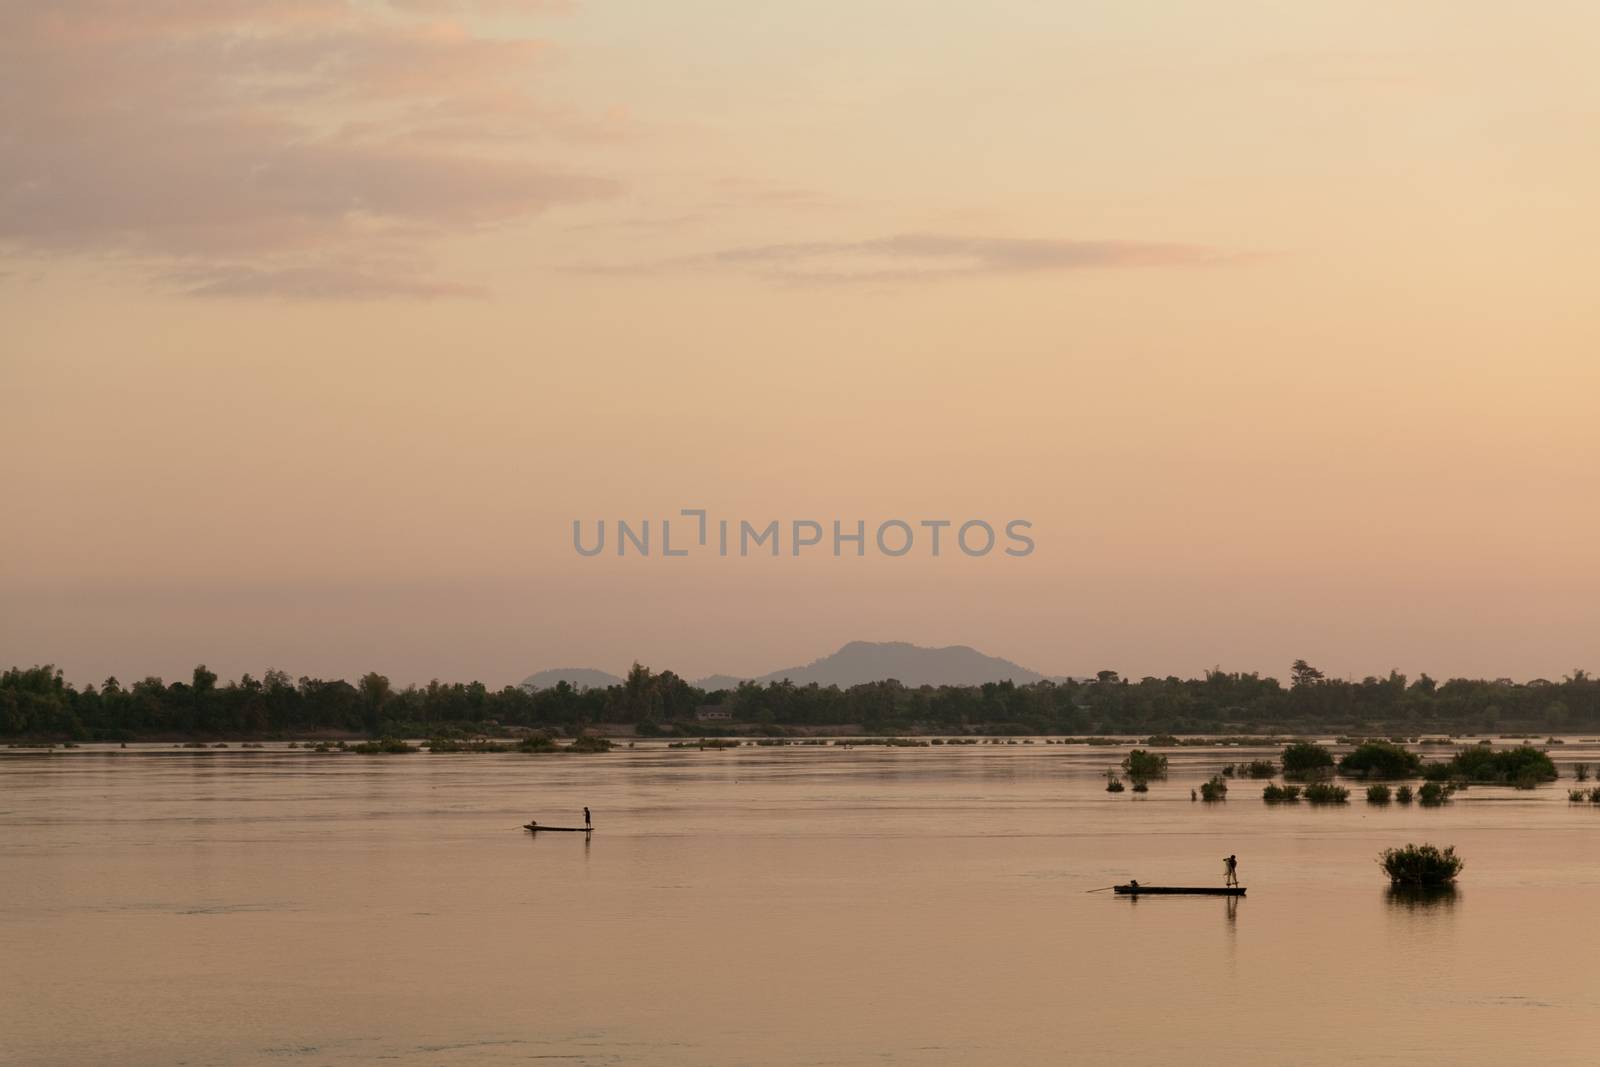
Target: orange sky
{"points": [[320, 322]]}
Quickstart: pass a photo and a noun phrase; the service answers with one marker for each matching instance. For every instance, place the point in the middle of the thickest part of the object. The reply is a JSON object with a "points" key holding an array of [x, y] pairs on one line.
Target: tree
{"points": [[1305, 674], [375, 693]]}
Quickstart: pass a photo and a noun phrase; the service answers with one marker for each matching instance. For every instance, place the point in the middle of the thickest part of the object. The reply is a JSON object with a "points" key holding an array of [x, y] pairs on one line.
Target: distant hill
{"points": [[914, 665], [718, 681], [578, 677]]}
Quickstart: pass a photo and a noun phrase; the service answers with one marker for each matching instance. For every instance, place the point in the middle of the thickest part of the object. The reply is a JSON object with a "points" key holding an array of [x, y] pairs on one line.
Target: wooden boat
{"points": [[1179, 890], [539, 827]]}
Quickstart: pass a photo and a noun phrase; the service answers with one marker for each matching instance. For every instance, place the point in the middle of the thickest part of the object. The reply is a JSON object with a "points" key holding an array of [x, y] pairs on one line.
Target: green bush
{"points": [[1214, 789], [1142, 764], [1162, 740], [1432, 794], [1280, 794], [1377, 794], [1380, 759], [1403, 794], [388, 746], [536, 743], [586, 743], [1139, 786], [1420, 865], [1327, 793], [1305, 760], [1523, 765]]}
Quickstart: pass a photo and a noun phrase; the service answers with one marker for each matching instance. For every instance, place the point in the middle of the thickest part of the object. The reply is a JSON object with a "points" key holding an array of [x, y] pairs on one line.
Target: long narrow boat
{"points": [[1179, 890], [539, 828]]}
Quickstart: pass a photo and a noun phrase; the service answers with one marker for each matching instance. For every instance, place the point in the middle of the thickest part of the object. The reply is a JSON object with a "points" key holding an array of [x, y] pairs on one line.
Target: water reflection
{"points": [[1422, 898]]}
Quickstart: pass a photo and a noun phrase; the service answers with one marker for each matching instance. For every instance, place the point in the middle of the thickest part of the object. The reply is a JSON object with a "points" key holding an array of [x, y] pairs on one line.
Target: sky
{"points": [[321, 321]]}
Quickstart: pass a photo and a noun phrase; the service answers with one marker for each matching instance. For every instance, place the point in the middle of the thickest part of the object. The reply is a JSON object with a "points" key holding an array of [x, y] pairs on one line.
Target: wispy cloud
{"points": [[929, 256], [318, 283], [263, 143]]}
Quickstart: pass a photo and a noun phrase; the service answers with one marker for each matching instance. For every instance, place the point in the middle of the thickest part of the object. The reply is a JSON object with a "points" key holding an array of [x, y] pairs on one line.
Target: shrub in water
{"points": [[1377, 794], [1380, 759], [1578, 796], [1327, 793], [594, 744], [1142, 764], [1139, 786], [1305, 760], [1215, 789], [1403, 794], [1280, 794], [1432, 794], [1420, 865], [1523, 765]]}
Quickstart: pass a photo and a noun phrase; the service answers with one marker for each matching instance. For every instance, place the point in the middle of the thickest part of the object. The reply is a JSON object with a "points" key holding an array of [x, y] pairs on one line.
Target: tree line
{"points": [[38, 702]]}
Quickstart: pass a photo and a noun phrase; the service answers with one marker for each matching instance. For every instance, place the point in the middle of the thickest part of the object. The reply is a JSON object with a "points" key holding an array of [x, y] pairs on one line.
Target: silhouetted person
{"points": [[586, 818], [1231, 866]]}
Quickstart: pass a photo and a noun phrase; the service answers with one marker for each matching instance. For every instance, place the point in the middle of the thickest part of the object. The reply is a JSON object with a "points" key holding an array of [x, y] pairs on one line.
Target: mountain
{"points": [[718, 681], [579, 677], [913, 665]]}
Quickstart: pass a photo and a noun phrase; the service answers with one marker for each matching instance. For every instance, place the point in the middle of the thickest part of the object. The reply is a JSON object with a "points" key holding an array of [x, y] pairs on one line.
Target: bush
{"points": [[1215, 789], [1380, 759], [536, 743], [1420, 865], [1327, 793], [586, 743], [1403, 794], [1305, 760], [1377, 794], [1578, 796], [1140, 786], [1142, 764], [1280, 794], [388, 746], [1162, 740], [1432, 794], [1523, 765]]}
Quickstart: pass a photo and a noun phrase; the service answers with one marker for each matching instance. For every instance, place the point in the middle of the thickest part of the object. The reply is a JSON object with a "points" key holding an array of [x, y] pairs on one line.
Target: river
{"points": [[799, 905]]}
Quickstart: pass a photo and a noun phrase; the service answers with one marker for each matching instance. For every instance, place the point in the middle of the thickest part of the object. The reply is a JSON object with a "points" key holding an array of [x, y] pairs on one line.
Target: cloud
{"points": [[318, 283], [265, 142], [925, 256]]}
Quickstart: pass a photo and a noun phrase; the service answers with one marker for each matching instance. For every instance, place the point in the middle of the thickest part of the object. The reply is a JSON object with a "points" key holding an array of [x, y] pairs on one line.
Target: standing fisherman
{"points": [[1231, 867], [586, 818]]}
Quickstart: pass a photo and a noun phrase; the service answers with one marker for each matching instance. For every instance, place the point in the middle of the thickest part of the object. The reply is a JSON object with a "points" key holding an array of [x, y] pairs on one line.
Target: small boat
{"points": [[539, 827], [1176, 890]]}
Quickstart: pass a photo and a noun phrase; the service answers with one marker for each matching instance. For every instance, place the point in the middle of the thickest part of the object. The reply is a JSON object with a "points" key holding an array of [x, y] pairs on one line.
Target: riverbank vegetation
{"points": [[37, 702]]}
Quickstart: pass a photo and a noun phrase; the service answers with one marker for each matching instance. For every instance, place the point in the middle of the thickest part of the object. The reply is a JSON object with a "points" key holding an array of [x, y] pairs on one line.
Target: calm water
{"points": [[797, 905]]}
